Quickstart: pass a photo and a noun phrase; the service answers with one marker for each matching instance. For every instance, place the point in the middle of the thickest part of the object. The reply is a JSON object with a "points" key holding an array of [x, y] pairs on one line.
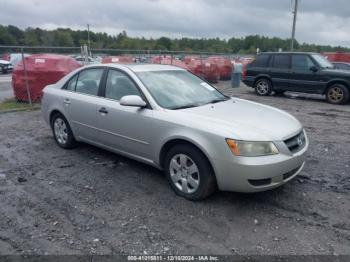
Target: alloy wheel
{"points": [[60, 130], [335, 94], [262, 87]]}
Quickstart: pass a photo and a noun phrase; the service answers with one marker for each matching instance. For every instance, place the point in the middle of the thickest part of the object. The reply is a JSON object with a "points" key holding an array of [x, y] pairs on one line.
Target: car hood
{"points": [[336, 72], [243, 120], [4, 62]]}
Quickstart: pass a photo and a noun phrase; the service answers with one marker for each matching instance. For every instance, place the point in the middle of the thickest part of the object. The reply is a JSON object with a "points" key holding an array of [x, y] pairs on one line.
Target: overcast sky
{"points": [[319, 21]]}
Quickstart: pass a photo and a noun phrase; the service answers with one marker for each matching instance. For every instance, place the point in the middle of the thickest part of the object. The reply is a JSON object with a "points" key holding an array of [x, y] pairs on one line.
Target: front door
{"points": [[303, 78], [124, 128]]}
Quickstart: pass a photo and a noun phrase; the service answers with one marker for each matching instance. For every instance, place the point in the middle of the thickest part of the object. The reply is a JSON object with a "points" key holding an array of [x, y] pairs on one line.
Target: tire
{"points": [[189, 172], [263, 87], [62, 132], [337, 94]]}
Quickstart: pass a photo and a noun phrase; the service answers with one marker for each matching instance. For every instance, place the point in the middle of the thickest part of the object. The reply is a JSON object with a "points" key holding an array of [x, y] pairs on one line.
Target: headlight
{"points": [[244, 148]]}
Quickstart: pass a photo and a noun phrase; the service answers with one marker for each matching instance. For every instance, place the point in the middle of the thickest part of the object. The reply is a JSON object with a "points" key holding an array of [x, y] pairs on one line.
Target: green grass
{"points": [[13, 105]]}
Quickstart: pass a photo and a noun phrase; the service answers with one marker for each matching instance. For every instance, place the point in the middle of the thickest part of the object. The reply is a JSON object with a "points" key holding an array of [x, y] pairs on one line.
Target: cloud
{"points": [[322, 22]]}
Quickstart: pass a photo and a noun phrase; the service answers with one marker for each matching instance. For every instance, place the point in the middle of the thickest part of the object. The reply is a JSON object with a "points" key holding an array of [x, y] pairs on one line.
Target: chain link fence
{"points": [[31, 70]]}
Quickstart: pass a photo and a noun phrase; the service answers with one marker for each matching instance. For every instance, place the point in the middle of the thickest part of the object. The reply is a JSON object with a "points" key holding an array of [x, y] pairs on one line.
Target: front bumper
{"points": [[254, 174]]}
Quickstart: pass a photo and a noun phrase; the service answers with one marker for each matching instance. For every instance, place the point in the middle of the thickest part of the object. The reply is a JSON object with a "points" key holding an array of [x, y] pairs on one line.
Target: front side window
{"points": [[176, 89], [118, 85], [89, 81], [301, 62], [281, 61]]}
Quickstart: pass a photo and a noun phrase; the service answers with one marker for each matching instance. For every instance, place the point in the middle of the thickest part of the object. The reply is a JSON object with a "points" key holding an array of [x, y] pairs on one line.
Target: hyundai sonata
{"points": [[167, 117]]}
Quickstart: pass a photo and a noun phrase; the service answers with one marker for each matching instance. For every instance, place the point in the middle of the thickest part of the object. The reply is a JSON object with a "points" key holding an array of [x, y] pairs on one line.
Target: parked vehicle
{"points": [[5, 66], [167, 117], [341, 65], [297, 72]]}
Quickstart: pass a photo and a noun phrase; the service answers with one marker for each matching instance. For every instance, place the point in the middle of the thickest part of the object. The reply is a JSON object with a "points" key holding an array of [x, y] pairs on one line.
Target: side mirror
{"points": [[132, 100], [314, 69]]}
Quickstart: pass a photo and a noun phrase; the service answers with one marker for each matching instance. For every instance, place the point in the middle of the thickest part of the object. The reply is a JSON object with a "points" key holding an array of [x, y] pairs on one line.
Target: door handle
{"points": [[103, 110], [66, 101]]}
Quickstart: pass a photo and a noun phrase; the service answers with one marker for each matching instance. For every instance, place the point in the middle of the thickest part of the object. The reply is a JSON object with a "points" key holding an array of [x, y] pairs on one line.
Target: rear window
{"points": [[261, 61], [281, 61]]}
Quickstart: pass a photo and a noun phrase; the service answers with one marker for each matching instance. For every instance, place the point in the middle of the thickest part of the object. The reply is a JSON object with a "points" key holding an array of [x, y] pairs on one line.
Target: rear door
{"points": [[279, 71], [302, 78], [80, 102], [124, 128], [256, 68]]}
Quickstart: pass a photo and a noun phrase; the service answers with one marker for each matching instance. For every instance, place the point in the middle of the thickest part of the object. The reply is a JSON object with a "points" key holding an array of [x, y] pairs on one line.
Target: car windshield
{"points": [[322, 61], [177, 89]]}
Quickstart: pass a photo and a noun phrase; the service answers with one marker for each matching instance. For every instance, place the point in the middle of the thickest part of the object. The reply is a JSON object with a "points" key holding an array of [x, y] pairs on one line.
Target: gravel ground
{"points": [[90, 201]]}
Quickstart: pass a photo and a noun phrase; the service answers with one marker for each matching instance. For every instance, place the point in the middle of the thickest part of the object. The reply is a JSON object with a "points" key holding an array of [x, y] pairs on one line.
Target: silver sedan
{"points": [[167, 117]]}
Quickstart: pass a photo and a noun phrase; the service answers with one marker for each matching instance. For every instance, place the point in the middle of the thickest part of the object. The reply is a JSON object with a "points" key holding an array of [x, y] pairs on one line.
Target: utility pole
{"points": [[88, 40], [294, 23]]}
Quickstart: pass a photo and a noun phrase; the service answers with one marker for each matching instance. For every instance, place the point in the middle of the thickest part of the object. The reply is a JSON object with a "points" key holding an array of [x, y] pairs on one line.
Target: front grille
{"points": [[296, 143]]}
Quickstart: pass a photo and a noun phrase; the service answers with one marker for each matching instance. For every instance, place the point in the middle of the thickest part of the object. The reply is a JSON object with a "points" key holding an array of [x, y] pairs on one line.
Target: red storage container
{"points": [[224, 65], [159, 59], [204, 69], [174, 62], [118, 59], [338, 57], [187, 59], [42, 70]]}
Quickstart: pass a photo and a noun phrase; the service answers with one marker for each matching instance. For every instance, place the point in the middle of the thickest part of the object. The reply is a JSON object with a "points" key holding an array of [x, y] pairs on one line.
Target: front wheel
{"points": [[189, 172], [337, 94], [263, 87]]}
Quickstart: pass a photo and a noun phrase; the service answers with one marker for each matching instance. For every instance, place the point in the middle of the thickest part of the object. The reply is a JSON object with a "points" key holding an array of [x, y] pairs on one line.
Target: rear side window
{"points": [[261, 61], [71, 83], [89, 81], [281, 61], [301, 62]]}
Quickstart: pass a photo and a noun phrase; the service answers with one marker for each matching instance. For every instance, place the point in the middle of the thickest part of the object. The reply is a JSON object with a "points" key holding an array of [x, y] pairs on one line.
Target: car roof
{"points": [[140, 67], [288, 53]]}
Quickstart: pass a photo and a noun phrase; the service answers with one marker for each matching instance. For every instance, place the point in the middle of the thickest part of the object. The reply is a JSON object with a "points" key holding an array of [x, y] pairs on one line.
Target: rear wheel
{"points": [[62, 132], [189, 172], [337, 94], [263, 87]]}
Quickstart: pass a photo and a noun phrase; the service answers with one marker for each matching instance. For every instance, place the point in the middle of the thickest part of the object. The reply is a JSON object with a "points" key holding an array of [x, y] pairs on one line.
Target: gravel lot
{"points": [[87, 200]]}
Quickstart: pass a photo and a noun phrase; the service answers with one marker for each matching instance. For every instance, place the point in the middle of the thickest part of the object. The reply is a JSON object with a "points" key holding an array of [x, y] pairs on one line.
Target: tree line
{"points": [[66, 37]]}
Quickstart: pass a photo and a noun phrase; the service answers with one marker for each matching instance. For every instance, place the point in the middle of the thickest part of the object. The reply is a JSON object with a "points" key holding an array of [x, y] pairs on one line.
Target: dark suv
{"points": [[297, 72]]}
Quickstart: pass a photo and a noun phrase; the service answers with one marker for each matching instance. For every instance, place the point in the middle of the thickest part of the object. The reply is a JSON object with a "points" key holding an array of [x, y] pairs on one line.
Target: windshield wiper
{"points": [[185, 106], [217, 100]]}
